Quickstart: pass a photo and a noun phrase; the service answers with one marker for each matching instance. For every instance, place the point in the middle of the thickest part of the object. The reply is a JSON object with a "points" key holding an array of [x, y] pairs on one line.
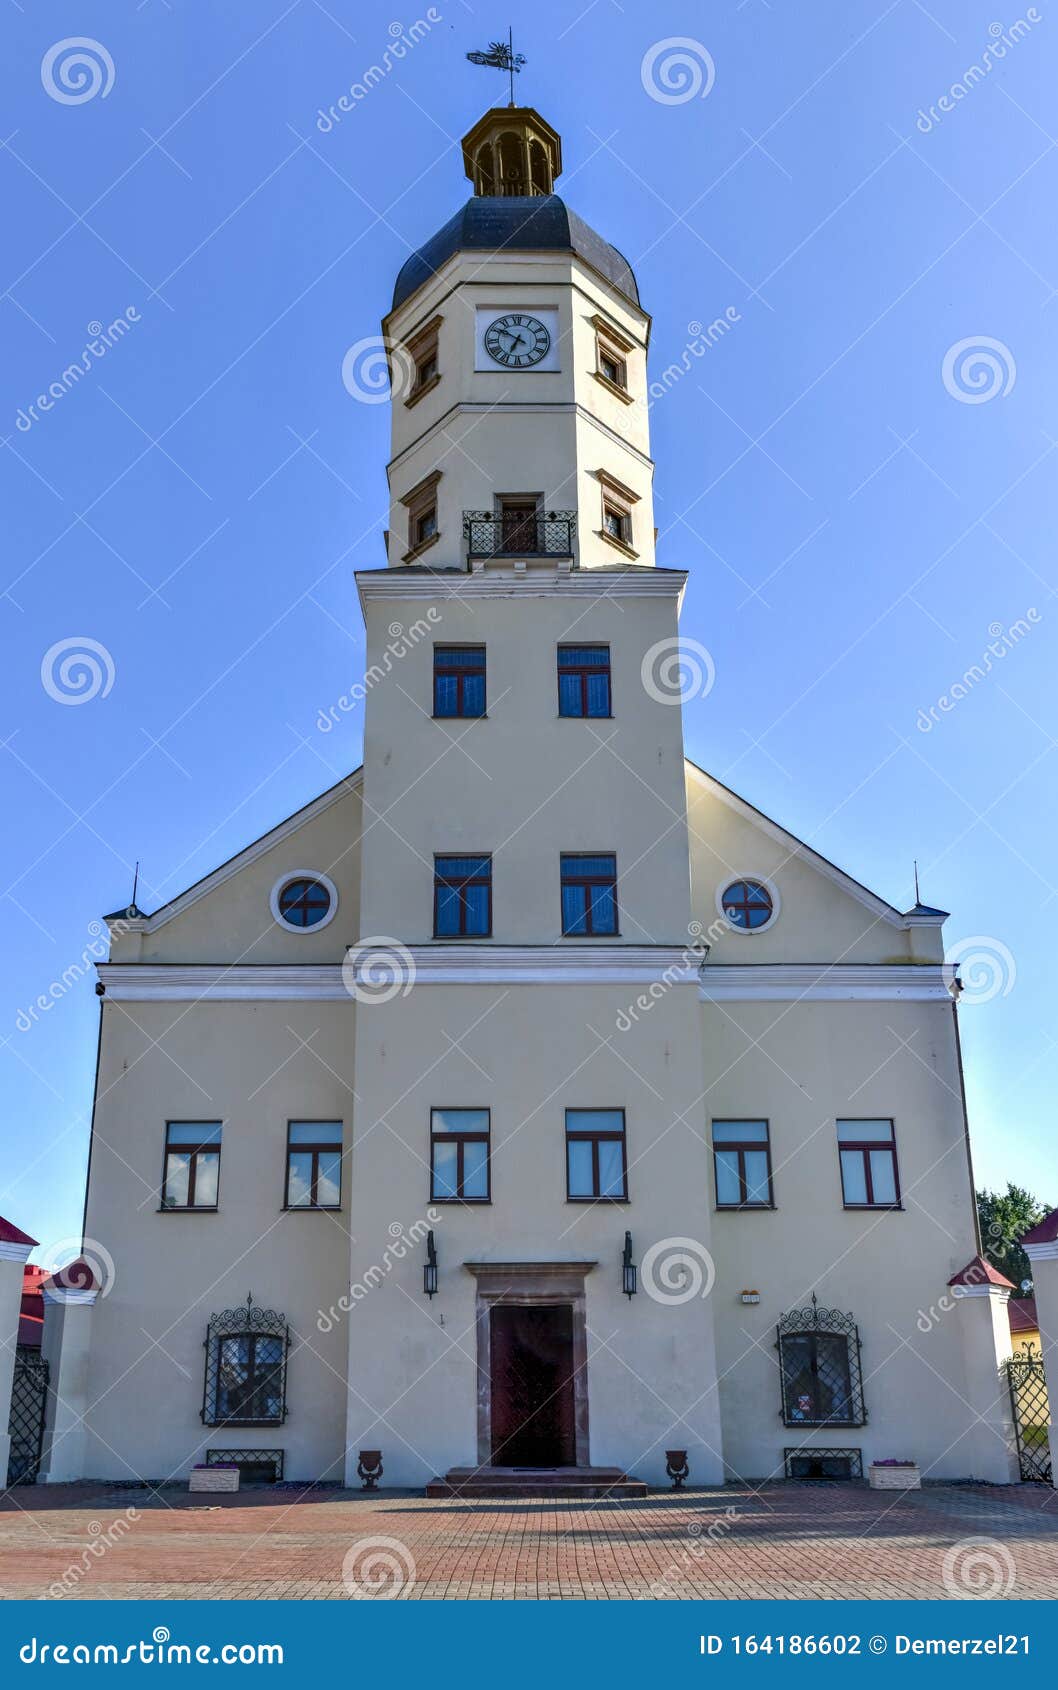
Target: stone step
{"points": [[536, 1482]]}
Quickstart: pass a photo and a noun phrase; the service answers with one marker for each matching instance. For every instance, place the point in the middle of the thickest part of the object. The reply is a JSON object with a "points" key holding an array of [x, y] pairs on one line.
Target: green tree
{"points": [[1006, 1217]]}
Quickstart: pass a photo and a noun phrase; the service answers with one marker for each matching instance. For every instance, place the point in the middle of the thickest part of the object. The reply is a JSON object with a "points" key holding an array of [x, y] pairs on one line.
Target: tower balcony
{"points": [[519, 534]]}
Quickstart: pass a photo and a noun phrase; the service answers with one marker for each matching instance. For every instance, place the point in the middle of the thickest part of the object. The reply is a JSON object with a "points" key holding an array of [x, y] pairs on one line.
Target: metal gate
{"points": [[1031, 1411], [29, 1396]]}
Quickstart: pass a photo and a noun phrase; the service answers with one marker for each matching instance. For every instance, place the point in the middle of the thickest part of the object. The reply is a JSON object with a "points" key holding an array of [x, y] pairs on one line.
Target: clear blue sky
{"points": [[197, 503]]}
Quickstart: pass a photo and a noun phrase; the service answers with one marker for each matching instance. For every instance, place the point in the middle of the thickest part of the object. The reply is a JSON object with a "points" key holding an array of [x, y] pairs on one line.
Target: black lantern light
{"points": [[628, 1269], [429, 1272]]}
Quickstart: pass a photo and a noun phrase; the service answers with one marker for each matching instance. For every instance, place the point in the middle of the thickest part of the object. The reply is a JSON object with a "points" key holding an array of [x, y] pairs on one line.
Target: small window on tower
{"points": [[418, 369], [422, 507], [617, 503], [611, 358]]}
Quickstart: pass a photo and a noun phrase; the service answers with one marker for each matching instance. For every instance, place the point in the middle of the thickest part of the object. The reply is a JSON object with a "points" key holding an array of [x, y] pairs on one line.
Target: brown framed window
{"points": [[421, 504], [870, 1177], [421, 351], [589, 895], [191, 1176], [596, 1156], [462, 897], [314, 1165], [584, 680], [459, 680], [611, 358], [617, 503], [459, 1156], [742, 1165]]}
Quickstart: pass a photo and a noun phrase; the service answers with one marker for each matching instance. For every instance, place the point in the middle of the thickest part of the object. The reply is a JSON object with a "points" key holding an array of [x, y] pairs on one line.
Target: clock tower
{"points": [[524, 870]]}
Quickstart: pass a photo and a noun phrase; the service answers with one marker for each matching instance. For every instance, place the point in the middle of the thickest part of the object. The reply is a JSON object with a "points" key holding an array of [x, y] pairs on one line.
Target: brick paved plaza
{"points": [[788, 1541]]}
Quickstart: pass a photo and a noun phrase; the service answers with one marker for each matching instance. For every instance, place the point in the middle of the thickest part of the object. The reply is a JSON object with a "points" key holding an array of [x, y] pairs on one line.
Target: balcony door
{"points": [[518, 526]]}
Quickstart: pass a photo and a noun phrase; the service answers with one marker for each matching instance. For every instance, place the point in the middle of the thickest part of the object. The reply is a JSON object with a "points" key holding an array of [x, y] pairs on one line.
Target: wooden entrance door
{"points": [[532, 1390]]}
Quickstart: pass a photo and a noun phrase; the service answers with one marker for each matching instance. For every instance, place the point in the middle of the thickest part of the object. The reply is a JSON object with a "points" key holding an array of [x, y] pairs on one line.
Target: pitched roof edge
{"points": [[249, 854], [855, 888]]}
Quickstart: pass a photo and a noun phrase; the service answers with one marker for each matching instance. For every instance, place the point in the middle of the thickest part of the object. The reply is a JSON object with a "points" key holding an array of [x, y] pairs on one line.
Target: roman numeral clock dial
{"points": [[517, 341]]}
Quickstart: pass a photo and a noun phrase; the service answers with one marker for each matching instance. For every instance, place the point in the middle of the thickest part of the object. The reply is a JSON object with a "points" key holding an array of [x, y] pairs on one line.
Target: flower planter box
{"points": [[906, 1476], [214, 1479]]}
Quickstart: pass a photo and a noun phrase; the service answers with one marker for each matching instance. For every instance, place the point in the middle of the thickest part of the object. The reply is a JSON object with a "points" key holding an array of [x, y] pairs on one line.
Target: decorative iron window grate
{"points": [[255, 1465], [519, 534], [823, 1463], [819, 1364], [246, 1367], [29, 1398]]}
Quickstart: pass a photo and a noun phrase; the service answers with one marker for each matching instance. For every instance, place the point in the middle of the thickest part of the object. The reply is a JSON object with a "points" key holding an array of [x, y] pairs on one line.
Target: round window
{"points": [[748, 905], [302, 900]]}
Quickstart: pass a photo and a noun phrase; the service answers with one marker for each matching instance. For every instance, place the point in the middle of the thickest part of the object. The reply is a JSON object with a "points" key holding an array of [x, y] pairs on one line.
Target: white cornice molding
{"points": [[505, 583], [488, 965], [1042, 1252], [70, 1299], [797, 847], [1000, 1292], [819, 983], [243, 859], [16, 1252], [425, 965]]}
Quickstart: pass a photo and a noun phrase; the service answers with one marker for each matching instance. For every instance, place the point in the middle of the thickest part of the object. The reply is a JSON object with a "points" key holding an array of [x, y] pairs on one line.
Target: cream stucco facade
{"points": [[217, 1010]]}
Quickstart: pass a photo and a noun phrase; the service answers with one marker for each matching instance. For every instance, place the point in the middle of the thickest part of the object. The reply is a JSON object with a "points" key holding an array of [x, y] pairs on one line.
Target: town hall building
{"points": [[528, 1106]]}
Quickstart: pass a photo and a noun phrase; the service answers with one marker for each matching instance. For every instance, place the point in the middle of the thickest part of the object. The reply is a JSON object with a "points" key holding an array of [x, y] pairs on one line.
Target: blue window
{"points": [[459, 680], [459, 1155], [589, 895], [584, 680], [747, 905], [462, 897], [742, 1165], [596, 1169], [304, 903]]}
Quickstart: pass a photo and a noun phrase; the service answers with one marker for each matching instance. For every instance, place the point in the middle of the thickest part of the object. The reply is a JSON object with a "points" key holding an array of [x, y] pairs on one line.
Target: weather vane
{"points": [[501, 56]]}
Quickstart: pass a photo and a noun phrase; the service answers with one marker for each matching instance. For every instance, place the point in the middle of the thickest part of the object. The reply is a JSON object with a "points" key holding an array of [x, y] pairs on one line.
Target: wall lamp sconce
{"points": [[629, 1272], [750, 1296], [429, 1272]]}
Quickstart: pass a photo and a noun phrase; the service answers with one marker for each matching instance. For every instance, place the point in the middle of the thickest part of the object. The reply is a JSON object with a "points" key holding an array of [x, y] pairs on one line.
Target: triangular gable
{"points": [[183, 901], [797, 847]]}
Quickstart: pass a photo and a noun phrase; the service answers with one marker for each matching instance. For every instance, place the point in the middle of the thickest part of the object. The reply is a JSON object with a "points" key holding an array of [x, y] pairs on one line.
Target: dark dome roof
{"points": [[538, 222]]}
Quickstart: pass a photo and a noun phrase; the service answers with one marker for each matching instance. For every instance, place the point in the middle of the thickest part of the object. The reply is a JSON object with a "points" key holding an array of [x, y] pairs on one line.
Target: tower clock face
{"points": [[517, 341]]}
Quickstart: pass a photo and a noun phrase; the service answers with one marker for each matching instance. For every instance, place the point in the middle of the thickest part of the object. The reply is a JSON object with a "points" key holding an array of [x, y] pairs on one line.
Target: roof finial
{"points": [[501, 56], [918, 900], [132, 910]]}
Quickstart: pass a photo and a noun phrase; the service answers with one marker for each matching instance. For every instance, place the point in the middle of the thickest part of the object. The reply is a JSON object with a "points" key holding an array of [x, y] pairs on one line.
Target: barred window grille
{"points": [[819, 1364], [246, 1367]]}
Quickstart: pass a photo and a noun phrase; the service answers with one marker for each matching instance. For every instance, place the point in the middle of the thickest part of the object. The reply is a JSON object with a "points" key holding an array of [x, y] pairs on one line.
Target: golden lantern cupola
{"points": [[512, 152]]}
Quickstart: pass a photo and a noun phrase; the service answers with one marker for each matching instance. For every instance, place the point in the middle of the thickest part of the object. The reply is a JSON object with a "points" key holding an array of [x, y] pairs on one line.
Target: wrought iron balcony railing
{"points": [[519, 533]]}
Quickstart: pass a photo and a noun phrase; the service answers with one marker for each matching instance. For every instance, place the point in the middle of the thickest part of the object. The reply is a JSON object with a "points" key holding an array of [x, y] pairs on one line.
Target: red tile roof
{"points": [[75, 1276], [13, 1235], [1045, 1231], [1023, 1316], [980, 1272]]}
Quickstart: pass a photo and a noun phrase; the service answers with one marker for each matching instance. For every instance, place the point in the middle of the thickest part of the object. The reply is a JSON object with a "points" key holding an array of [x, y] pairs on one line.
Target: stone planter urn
{"points": [[894, 1475], [369, 1468]]}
